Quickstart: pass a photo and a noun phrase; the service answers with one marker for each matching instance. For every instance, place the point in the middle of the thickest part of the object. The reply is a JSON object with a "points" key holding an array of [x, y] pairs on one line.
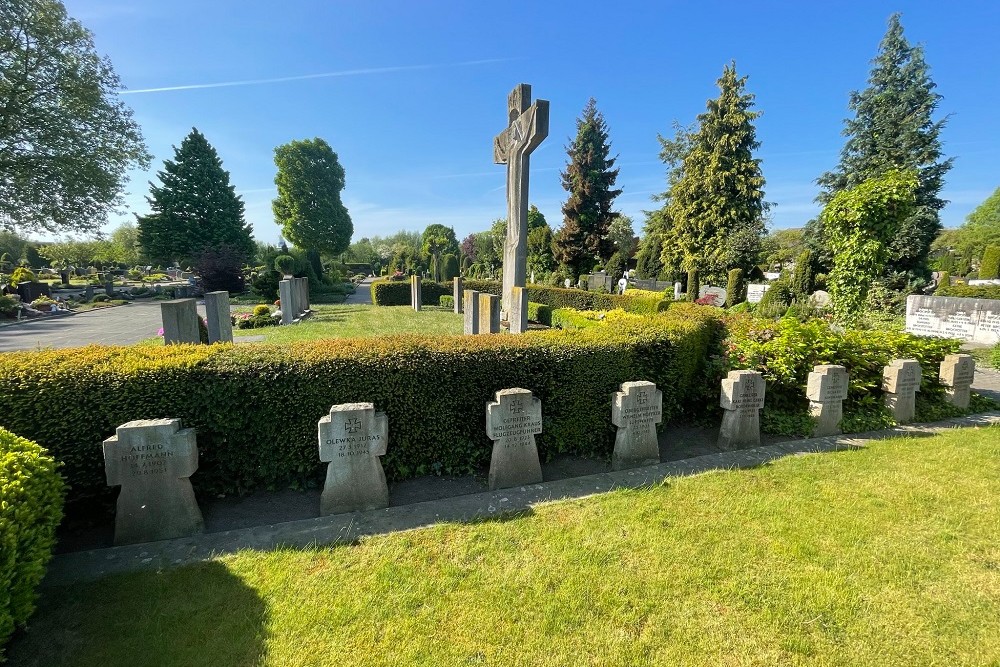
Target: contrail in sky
{"points": [[325, 75]]}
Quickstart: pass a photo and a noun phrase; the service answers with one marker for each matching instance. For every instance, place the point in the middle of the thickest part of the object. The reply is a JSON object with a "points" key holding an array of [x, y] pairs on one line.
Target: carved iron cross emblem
{"points": [[352, 425]]}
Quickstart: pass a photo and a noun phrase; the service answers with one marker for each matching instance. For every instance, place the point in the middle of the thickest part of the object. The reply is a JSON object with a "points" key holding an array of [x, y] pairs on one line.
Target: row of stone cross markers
{"points": [[152, 460], [180, 316]]}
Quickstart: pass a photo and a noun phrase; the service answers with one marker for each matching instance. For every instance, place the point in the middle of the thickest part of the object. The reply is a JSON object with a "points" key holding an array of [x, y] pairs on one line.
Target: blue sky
{"points": [[418, 90]]}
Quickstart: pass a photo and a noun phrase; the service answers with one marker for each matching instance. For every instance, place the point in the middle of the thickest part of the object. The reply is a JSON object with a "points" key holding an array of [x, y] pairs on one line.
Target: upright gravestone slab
{"points": [[901, 382], [152, 459], [457, 294], [512, 422], [742, 399], [755, 292], [306, 305], [489, 314], [416, 293], [956, 374], [518, 316], [820, 299], [471, 307], [826, 390], [678, 291], [718, 293], [527, 127], [220, 324], [351, 438], [109, 288], [300, 296], [180, 321], [636, 410], [287, 301]]}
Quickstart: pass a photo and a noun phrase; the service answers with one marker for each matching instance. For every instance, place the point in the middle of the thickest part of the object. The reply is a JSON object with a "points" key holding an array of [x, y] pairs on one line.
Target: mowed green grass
{"points": [[888, 555], [345, 321]]}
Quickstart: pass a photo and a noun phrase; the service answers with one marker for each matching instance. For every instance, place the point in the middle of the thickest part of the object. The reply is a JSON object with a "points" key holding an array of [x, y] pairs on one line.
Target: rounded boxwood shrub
{"points": [[31, 500], [261, 309], [284, 264]]}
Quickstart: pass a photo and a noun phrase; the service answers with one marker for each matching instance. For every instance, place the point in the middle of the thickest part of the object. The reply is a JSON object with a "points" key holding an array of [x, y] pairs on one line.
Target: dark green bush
{"points": [[284, 264], [944, 280], [736, 288], [256, 406], [776, 299], [694, 285], [31, 500], [989, 267], [802, 277], [539, 312]]}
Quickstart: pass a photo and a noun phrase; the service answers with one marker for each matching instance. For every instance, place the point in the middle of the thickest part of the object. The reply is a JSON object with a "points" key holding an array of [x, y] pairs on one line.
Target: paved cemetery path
{"points": [[122, 325], [362, 295]]}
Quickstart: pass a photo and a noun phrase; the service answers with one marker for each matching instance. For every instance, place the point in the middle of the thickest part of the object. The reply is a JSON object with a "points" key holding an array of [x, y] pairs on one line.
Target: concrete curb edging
{"points": [[346, 528]]}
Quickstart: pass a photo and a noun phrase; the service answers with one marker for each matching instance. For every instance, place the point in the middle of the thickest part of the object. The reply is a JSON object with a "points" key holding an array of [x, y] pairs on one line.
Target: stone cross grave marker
{"points": [[180, 321], [489, 314], [826, 390], [220, 324], [152, 459], [416, 292], [527, 127], [957, 373], [351, 439], [636, 410], [517, 317], [471, 319], [742, 399], [456, 294], [901, 382], [512, 422]]}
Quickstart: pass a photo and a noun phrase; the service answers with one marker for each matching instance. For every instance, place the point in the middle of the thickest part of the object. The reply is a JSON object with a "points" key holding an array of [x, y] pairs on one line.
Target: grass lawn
{"points": [[343, 321], [883, 556]]}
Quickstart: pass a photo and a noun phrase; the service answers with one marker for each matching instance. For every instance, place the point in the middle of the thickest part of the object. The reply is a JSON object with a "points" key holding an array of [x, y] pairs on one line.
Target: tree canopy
{"points": [[66, 139], [195, 208], [308, 206]]}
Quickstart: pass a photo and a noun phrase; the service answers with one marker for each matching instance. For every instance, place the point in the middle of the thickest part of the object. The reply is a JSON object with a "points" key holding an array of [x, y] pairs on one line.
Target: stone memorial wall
{"points": [[969, 320]]}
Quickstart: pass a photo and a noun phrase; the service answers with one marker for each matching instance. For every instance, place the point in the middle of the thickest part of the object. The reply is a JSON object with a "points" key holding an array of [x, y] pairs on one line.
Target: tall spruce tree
{"points": [[715, 205], [195, 208], [589, 178], [893, 128]]}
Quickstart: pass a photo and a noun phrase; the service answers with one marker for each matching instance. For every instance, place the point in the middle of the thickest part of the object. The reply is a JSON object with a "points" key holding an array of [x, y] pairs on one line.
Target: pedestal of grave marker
{"points": [[457, 294], [826, 390], [636, 410], [512, 422], [152, 459], [517, 318], [351, 439], [489, 314], [742, 399], [900, 383], [416, 294], [287, 301]]}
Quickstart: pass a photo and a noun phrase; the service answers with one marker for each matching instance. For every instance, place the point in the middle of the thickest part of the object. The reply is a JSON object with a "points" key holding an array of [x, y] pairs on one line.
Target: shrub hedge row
{"points": [[31, 499], [970, 291], [256, 407], [397, 293]]}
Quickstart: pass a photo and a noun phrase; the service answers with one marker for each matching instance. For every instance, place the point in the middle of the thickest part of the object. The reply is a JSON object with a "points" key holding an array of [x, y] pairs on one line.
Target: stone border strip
{"points": [[82, 566]]}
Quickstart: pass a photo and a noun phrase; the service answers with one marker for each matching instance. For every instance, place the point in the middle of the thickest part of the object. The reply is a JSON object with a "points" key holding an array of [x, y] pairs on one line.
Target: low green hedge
{"points": [[397, 293], [539, 312], [31, 500], [256, 407], [970, 291]]}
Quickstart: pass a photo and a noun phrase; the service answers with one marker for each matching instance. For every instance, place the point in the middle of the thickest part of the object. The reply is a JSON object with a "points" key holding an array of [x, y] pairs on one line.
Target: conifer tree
{"points": [[589, 178], [194, 209], [894, 128], [716, 205]]}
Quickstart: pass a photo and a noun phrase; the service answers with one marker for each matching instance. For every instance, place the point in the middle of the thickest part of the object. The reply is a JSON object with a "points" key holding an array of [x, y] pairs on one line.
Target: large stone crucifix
{"points": [[528, 127]]}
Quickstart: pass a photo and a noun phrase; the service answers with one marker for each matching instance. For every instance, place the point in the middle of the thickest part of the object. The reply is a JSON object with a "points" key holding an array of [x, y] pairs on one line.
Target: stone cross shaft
{"points": [[957, 373], [351, 438], [636, 410], [742, 399], [528, 125], [152, 459], [826, 390], [900, 383], [512, 422]]}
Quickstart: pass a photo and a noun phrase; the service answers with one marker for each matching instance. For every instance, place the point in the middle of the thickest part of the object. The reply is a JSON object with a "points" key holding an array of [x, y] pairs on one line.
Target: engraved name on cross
{"points": [[528, 127]]}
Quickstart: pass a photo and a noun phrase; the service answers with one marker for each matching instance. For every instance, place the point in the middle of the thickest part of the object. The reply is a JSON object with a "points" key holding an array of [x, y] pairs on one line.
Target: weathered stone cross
{"points": [[528, 127]]}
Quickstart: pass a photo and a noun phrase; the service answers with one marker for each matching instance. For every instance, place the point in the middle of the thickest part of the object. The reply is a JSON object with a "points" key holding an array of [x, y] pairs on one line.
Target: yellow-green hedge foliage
{"points": [[256, 407], [31, 500]]}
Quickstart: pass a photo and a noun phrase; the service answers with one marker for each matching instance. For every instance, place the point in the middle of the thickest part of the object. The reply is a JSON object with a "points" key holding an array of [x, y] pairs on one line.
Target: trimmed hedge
{"points": [[31, 499], [970, 291], [539, 312], [256, 407], [392, 293]]}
